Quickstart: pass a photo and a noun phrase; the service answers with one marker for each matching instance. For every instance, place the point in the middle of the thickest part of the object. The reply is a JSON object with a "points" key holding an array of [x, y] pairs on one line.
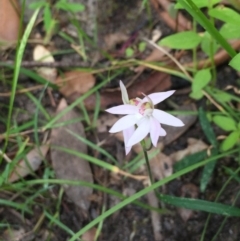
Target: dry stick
{"points": [[5, 157], [179, 24], [2, 136], [219, 58], [181, 67]]}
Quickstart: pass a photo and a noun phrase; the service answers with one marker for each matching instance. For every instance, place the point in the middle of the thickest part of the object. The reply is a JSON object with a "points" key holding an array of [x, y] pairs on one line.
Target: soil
{"points": [[131, 223]]}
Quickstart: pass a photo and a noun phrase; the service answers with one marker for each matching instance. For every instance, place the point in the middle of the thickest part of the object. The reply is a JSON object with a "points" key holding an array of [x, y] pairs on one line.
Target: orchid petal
{"points": [[162, 132], [154, 130], [124, 123], [167, 119], [159, 97], [123, 110], [127, 133], [125, 98], [140, 133]]}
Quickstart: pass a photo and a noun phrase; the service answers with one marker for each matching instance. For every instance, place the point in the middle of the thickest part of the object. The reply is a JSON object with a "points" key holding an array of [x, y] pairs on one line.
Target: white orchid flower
{"points": [[141, 118]]}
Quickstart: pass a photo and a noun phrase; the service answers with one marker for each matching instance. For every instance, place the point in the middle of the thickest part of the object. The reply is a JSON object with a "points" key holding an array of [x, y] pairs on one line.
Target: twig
{"points": [[178, 24], [33, 64], [219, 58]]}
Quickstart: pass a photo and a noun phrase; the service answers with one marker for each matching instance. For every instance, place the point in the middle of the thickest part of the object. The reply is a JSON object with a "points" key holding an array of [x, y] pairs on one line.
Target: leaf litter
{"points": [[30, 163], [68, 166]]}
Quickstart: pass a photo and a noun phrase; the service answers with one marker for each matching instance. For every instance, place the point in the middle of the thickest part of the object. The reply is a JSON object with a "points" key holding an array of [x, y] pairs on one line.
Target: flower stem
{"points": [[143, 144]]}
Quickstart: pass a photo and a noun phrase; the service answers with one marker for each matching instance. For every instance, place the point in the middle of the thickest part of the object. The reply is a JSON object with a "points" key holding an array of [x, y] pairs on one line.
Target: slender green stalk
{"points": [[143, 144], [18, 60], [195, 49]]}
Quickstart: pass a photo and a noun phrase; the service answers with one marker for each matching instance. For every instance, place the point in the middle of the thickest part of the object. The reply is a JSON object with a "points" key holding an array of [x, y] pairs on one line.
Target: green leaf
{"points": [[238, 125], [206, 127], [72, 7], [182, 40], [225, 123], [230, 141], [235, 62], [200, 17], [225, 14], [142, 46], [47, 17], [129, 52], [207, 171], [201, 205], [222, 97], [207, 43], [197, 95], [199, 3], [189, 160], [201, 79], [230, 31], [232, 173], [38, 4]]}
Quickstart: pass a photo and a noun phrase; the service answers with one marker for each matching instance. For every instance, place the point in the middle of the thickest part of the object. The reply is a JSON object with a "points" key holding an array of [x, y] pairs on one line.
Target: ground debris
{"points": [[75, 82], [68, 166], [30, 163]]}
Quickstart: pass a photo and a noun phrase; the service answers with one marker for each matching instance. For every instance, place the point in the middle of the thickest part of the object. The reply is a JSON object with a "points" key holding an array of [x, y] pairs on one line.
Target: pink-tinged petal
{"points": [[159, 97], [162, 132], [123, 110], [125, 98], [140, 133], [154, 130], [127, 133], [124, 123], [167, 119]]}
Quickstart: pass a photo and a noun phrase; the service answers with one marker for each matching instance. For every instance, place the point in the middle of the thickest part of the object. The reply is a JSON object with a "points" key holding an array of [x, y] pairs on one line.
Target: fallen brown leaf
{"points": [[155, 216], [10, 20], [13, 234], [105, 122], [190, 191], [154, 56], [179, 24], [89, 235], [111, 40], [156, 82], [161, 166], [30, 164], [68, 166], [194, 146], [75, 82], [174, 132]]}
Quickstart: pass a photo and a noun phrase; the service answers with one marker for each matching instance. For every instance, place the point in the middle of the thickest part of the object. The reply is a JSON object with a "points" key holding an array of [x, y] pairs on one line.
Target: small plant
{"points": [[49, 11], [228, 124]]}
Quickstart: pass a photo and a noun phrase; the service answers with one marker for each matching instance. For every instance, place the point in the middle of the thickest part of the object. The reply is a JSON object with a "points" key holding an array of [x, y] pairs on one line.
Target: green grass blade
{"points": [[144, 192], [15, 205], [93, 146], [201, 205], [58, 223], [20, 186], [18, 60], [75, 103]]}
